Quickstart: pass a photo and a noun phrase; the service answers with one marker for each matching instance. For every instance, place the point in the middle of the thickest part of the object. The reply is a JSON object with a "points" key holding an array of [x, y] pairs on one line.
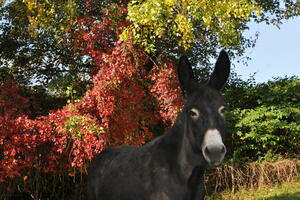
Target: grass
{"points": [[284, 191]]}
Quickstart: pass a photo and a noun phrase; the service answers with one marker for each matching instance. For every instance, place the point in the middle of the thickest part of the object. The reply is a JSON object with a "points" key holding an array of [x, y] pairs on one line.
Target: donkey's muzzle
{"points": [[213, 149], [214, 154]]}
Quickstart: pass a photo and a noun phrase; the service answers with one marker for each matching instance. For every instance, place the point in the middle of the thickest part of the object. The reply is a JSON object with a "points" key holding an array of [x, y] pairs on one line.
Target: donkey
{"points": [[172, 166]]}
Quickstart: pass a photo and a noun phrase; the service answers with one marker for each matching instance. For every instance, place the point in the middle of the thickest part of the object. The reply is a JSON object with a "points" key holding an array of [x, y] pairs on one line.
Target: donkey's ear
{"points": [[221, 71], [185, 75]]}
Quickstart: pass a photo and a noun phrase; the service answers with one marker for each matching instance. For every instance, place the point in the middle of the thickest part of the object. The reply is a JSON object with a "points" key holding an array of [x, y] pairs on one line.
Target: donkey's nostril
{"points": [[223, 150], [206, 151], [214, 154]]}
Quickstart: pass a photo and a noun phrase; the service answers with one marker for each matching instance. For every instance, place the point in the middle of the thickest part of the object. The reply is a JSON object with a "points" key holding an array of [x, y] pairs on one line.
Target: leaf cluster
{"points": [[45, 57], [188, 21], [265, 120], [184, 25]]}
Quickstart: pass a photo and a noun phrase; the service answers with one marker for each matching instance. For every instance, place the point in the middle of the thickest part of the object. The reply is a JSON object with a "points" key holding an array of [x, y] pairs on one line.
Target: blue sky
{"points": [[276, 54]]}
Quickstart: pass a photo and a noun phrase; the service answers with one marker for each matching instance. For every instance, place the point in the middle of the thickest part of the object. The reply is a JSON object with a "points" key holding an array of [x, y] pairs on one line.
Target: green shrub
{"points": [[267, 125]]}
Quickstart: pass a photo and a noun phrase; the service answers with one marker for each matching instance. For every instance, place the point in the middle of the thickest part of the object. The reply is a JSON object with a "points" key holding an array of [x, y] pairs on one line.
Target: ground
{"points": [[284, 191]]}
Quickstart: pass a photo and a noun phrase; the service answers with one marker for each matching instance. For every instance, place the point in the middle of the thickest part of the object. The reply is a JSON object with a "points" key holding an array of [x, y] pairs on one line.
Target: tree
{"points": [[188, 21], [198, 25], [163, 27], [43, 57]]}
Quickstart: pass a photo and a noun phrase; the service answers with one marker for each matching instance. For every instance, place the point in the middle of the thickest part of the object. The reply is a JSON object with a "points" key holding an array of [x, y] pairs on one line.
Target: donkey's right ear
{"points": [[185, 75]]}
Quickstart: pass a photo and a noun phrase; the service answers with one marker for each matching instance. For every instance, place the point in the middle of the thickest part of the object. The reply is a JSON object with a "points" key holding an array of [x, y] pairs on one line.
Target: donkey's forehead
{"points": [[205, 94]]}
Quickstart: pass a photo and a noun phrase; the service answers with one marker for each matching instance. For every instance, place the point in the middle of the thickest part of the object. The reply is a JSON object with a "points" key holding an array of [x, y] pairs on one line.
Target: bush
{"points": [[267, 126]]}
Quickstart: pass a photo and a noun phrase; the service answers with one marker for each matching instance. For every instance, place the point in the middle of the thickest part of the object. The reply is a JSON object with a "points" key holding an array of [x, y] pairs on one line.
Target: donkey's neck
{"points": [[186, 158]]}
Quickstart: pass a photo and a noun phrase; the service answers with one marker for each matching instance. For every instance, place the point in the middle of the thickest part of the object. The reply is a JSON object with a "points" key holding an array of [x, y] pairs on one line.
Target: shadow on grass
{"points": [[287, 196]]}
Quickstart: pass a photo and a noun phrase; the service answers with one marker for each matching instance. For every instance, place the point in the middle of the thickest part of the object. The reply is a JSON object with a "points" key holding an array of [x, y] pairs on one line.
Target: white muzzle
{"points": [[213, 148]]}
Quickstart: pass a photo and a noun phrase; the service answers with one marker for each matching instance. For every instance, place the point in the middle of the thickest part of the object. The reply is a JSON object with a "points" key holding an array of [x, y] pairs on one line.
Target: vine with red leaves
{"points": [[123, 106]]}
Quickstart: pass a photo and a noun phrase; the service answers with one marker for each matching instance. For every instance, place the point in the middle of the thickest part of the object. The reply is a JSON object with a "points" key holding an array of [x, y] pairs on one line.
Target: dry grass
{"points": [[284, 191], [252, 175]]}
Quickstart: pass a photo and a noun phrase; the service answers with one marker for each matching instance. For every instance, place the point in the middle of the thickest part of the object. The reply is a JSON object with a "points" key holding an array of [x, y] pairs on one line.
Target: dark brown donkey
{"points": [[172, 166]]}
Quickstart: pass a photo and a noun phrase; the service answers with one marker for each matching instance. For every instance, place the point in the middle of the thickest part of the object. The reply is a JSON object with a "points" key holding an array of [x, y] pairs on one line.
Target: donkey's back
{"points": [[130, 173], [107, 170]]}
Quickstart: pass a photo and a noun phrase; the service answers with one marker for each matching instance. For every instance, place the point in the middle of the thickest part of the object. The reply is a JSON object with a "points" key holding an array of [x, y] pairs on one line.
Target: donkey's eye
{"points": [[194, 113], [221, 111]]}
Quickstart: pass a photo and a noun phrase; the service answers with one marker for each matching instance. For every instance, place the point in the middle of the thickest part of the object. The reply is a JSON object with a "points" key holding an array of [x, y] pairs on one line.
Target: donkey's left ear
{"points": [[221, 71]]}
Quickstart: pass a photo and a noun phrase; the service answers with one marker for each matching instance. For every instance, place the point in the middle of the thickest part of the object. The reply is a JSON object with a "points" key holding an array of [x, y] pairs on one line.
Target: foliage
{"points": [[158, 25], [187, 21], [119, 109], [167, 92], [12, 104], [49, 15], [41, 40], [47, 144], [122, 104], [45, 58], [267, 124]]}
